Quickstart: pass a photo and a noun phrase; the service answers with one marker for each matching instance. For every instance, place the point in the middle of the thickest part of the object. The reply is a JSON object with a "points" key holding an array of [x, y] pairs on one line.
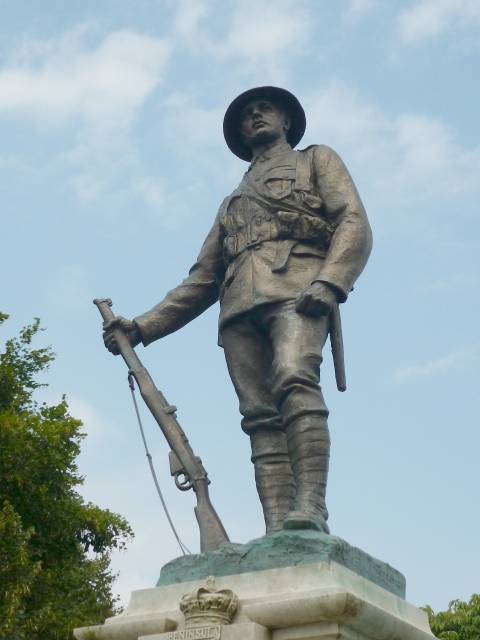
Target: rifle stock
{"points": [[212, 532]]}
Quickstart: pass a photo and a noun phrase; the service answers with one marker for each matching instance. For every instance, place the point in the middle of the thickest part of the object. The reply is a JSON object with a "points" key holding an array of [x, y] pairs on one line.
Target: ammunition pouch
{"points": [[279, 225]]}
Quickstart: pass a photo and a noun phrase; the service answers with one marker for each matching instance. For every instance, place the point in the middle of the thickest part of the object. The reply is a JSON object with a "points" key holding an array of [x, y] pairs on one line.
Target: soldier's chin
{"points": [[262, 136]]}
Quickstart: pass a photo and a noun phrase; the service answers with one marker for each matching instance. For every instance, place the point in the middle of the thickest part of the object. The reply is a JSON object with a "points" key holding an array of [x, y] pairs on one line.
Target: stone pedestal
{"points": [[323, 600]]}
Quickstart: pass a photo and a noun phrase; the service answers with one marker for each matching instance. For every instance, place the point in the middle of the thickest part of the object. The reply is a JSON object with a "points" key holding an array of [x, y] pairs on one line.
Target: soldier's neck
{"points": [[270, 148]]}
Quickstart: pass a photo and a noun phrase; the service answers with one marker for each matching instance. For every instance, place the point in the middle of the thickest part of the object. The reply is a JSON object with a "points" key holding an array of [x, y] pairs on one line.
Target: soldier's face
{"points": [[262, 121]]}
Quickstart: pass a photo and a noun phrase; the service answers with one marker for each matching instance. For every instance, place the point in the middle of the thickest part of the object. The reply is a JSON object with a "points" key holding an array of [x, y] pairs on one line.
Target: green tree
{"points": [[461, 621], [54, 548]]}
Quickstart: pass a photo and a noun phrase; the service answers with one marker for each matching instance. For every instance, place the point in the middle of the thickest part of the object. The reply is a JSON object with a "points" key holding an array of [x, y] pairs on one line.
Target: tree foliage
{"points": [[54, 548], [461, 621]]}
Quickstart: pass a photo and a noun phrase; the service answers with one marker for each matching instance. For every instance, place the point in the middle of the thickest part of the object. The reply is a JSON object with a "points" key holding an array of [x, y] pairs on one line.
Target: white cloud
{"points": [[67, 80], [196, 133], [359, 8], [429, 18], [441, 365], [98, 88], [93, 422], [262, 38], [151, 190], [405, 156], [188, 15], [186, 120], [430, 152], [257, 30], [456, 282]]}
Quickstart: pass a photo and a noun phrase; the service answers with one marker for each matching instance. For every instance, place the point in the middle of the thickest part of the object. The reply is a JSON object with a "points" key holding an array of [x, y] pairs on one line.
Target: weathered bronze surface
{"points": [[284, 250]]}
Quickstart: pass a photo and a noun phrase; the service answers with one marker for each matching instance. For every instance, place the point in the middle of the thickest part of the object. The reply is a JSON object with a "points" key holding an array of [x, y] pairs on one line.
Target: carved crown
{"points": [[207, 606]]}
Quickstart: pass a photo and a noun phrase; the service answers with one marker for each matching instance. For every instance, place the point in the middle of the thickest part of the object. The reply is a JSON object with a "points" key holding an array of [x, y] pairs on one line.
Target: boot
{"points": [[273, 476], [276, 490], [308, 443]]}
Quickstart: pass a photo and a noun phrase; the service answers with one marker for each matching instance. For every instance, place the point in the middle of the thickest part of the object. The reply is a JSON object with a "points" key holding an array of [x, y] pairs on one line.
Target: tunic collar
{"points": [[281, 147]]}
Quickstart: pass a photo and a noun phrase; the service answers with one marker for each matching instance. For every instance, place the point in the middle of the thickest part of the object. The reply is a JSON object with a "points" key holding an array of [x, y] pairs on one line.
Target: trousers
{"points": [[273, 355]]}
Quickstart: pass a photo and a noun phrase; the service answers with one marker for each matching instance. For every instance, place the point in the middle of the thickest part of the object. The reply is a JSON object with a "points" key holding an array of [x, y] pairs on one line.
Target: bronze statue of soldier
{"points": [[285, 248]]}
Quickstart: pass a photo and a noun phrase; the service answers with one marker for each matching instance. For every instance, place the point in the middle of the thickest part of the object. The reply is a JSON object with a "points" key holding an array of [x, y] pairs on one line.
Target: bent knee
{"points": [[288, 375]]}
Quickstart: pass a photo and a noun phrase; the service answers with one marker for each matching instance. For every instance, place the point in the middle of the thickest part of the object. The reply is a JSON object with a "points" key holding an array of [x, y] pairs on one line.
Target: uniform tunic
{"points": [[295, 218]]}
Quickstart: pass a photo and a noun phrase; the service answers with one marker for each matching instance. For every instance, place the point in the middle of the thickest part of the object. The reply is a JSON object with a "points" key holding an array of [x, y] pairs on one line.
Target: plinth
{"points": [[321, 588]]}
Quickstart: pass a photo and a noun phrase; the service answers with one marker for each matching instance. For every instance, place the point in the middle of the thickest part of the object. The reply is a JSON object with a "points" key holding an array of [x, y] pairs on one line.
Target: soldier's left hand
{"points": [[317, 300]]}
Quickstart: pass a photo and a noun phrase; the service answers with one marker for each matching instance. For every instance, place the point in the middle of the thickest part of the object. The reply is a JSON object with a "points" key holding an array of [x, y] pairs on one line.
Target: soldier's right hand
{"points": [[130, 329]]}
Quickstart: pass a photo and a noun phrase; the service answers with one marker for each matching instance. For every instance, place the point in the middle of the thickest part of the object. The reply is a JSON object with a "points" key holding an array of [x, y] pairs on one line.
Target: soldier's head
{"points": [[260, 116]]}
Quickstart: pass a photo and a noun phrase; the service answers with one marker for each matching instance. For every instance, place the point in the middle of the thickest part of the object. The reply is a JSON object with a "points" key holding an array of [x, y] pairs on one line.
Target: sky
{"points": [[112, 168]]}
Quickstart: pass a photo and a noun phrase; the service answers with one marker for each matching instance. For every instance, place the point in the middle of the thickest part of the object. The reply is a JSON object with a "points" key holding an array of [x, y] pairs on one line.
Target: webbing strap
{"points": [[303, 172]]}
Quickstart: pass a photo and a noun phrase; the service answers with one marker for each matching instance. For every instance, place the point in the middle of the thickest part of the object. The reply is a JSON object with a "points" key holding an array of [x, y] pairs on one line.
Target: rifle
{"points": [[183, 461]]}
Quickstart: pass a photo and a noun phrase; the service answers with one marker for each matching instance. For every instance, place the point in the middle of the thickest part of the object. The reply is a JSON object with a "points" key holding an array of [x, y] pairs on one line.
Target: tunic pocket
{"points": [[279, 188], [278, 182]]}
